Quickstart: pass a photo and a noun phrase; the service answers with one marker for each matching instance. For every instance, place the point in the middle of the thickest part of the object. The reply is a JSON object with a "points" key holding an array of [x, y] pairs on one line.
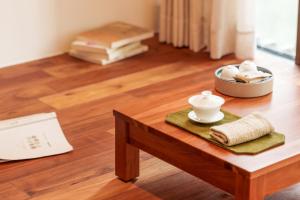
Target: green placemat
{"points": [[181, 120]]}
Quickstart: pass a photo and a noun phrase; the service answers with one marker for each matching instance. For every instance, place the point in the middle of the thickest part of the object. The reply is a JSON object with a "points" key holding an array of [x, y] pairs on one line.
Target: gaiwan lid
{"points": [[206, 99]]}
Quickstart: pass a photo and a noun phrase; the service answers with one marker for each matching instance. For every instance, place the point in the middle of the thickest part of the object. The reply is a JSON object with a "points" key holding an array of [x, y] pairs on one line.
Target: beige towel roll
{"points": [[251, 77], [243, 130]]}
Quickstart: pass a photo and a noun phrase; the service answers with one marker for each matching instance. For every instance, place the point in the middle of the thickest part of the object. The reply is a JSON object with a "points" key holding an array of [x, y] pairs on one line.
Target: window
{"points": [[276, 25]]}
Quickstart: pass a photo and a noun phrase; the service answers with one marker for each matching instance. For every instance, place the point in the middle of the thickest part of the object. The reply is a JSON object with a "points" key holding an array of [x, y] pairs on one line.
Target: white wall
{"points": [[33, 29]]}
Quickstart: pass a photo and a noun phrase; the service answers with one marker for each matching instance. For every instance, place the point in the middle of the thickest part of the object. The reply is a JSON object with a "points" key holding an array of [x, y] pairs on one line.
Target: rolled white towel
{"points": [[243, 130], [251, 77]]}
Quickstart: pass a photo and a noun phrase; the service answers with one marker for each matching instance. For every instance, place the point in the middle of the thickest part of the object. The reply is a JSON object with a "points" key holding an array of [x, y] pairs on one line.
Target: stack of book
{"points": [[110, 43]]}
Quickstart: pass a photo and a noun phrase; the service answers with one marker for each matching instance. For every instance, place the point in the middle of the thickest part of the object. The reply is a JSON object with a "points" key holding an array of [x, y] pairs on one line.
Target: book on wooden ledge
{"points": [[31, 137], [110, 43]]}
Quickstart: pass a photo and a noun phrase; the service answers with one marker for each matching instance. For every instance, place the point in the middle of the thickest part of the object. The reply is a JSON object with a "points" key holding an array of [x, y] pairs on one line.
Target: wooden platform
{"points": [[84, 94]]}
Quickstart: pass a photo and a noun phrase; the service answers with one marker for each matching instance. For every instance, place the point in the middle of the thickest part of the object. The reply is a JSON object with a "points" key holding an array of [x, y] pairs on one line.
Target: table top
{"points": [[282, 108]]}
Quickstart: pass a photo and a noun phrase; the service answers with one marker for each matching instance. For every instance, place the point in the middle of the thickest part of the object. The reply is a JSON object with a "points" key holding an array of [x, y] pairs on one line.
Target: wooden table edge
{"points": [[245, 184]]}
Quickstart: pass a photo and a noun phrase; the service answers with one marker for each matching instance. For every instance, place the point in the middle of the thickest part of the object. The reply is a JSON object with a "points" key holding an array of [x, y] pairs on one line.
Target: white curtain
{"points": [[219, 26]]}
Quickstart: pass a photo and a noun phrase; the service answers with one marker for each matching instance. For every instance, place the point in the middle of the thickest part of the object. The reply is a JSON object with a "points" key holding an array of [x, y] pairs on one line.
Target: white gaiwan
{"points": [[206, 106], [248, 66], [229, 72]]}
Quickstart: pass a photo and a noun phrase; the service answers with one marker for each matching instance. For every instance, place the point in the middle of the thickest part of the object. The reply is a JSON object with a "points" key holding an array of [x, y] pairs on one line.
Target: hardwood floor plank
{"points": [[65, 175], [102, 73], [118, 85], [28, 79], [87, 189], [93, 110], [17, 71], [9, 192], [107, 185], [33, 106], [70, 69]]}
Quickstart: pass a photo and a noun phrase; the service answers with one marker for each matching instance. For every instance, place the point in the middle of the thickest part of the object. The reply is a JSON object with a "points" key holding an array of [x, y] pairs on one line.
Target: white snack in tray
{"points": [[248, 66], [229, 72]]}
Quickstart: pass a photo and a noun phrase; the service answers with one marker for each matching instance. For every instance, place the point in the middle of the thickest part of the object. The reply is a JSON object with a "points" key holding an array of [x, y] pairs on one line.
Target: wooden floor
{"points": [[83, 95]]}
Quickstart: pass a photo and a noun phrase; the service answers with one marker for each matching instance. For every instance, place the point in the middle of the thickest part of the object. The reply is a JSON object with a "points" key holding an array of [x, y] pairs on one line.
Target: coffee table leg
{"points": [[249, 189], [126, 155]]}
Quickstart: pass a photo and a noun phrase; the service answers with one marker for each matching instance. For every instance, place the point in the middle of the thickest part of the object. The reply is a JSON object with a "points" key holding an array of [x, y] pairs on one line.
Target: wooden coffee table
{"points": [[142, 126]]}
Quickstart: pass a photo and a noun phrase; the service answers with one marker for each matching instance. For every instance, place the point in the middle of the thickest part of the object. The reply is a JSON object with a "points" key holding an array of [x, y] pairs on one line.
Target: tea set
{"points": [[206, 107]]}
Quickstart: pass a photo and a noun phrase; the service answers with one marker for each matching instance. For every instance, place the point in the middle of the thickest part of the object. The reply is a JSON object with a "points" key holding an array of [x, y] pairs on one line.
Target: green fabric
{"points": [[181, 120]]}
